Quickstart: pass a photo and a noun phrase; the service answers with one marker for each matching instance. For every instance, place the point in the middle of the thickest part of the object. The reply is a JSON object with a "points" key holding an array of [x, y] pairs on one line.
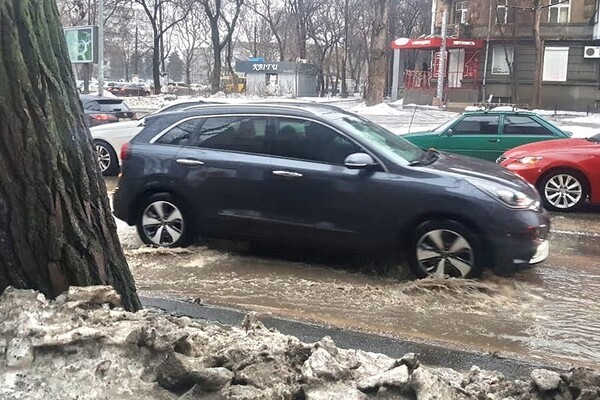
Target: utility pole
{"points": [[100, 47], [137, 54], [442, 62]]}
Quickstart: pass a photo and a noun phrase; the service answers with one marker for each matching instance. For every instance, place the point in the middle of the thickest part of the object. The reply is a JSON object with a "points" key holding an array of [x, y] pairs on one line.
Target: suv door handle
{"points": [[493, 140], [189, 161], [288, 174]]}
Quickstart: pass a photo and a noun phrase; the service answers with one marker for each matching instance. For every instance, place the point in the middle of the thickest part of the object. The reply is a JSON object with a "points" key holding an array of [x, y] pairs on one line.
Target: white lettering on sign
{"points": [[464, 42], [265, 67], [420, 42]]}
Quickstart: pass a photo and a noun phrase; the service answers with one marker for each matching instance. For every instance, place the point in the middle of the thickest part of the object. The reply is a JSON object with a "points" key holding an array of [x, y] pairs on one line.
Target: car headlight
{"points": [[509, 197], [529, 160]]}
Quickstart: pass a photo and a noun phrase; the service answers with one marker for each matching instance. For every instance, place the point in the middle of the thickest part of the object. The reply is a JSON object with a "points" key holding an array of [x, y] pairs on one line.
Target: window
{"points": [[181, 134], [556, 60], [243, 134], [500, 66], [523, 125], [503, 14], [559, 11], [460, 12], [308, 140], [92, 106], [477, 125]]}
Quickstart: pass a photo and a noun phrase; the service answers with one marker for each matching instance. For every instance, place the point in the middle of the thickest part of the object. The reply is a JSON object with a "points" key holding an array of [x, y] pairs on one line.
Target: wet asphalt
{"points": [[547, 315]]}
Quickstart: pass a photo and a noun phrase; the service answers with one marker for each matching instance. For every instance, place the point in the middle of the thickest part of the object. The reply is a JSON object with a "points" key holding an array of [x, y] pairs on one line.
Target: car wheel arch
{"points": [[569, 168], [135, 208], [406, 231]]}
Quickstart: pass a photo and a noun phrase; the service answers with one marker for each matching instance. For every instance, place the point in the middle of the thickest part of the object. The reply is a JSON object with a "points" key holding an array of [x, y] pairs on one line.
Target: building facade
{"points": [[570, 34]]}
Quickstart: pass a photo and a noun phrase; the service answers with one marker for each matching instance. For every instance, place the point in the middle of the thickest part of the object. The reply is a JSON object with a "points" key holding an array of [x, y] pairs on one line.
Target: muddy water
{"points": [[551, 312]]}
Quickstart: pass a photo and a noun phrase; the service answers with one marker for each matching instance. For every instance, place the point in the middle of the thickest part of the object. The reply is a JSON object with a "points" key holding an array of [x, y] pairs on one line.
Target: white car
{"points": [[109, 138]]}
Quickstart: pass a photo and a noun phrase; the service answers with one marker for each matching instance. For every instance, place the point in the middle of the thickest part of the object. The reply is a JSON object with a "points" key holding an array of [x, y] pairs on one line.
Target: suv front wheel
{"points": [[445, 248], [163, 222]]}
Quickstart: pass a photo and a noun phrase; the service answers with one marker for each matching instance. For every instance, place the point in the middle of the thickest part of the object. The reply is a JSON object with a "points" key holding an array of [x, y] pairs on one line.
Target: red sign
{"points": [[436, 43]]}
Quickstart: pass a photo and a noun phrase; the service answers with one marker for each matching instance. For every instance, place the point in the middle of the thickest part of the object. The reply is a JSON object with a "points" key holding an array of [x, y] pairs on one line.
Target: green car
{"points": [[487, 134]]}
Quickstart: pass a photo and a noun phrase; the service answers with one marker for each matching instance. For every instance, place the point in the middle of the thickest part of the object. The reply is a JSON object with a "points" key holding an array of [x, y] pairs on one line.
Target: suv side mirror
{"points": [[449, 132], [359, 161]]}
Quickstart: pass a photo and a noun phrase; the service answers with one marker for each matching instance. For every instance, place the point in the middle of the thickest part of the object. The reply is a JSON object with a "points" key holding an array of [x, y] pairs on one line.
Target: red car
{"points": [[566, 171]]}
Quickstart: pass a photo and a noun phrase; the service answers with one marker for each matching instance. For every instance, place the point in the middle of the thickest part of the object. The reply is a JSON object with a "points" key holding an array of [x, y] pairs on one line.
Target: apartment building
{"points": [[491, 53]]}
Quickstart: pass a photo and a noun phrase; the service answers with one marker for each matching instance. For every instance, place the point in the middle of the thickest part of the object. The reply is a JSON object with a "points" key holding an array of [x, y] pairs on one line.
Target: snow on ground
{"points": [[580, 131], [379, 109]]}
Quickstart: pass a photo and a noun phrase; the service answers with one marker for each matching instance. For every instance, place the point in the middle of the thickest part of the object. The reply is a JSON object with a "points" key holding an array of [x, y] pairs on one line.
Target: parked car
{"points": [[315, 174], [487, 134], [109, 138], [101, 110], [133, 89], [115, 87], [566, 172]]}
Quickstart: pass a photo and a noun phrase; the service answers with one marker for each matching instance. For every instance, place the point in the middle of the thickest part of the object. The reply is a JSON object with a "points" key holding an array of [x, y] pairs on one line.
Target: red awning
{"points": [[435, 43]]}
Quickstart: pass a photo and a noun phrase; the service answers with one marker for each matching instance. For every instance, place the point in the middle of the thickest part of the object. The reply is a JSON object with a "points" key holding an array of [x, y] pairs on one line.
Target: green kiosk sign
{"points": [[82, 44]]}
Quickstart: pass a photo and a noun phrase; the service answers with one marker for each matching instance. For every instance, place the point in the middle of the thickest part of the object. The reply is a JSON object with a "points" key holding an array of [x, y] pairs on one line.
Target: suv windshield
{"points": [[446, 124], [595, 138], [391, 145]]}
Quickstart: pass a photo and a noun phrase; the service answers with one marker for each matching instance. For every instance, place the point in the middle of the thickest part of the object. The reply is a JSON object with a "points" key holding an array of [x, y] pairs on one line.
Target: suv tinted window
{"points": [[523, 125], [112, 105], [154, 125], [245, 134], [92, 106], [312, 141], [180, 135], [477, 125]]}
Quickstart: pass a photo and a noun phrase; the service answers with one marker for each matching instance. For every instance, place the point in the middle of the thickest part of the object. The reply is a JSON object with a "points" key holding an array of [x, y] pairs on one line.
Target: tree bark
{"points": [[378, 54], [536, 100], [56, 228]]}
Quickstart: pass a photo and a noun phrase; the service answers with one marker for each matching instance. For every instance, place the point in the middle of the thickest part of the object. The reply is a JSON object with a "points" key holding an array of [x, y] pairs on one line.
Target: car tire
{"points": [[563, 190], [171, 229], [107, 158], [445, 248]]}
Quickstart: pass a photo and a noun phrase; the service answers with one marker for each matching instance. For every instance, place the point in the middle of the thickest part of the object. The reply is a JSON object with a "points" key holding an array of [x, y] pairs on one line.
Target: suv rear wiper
{"points": [[430, 156]]}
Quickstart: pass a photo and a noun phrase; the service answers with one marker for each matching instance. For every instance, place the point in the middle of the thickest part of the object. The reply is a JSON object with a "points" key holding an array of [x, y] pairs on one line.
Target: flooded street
{"points": [[548, 313]]}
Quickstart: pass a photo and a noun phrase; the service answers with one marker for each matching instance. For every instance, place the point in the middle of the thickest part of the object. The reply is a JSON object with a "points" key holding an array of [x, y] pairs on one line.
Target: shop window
{"points": [[502, 59], [556, 60], [559, 11]]}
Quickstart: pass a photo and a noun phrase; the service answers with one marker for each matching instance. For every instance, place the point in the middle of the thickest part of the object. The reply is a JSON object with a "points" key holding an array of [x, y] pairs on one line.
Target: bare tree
{"points": [[274, 13], [190, 35], [162, 15], [378, 52], [222, 16], [56, 227]]}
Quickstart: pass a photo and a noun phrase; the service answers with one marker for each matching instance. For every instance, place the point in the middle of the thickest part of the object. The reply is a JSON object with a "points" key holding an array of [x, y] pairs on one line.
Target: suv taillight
{"points": [[124, 151]]}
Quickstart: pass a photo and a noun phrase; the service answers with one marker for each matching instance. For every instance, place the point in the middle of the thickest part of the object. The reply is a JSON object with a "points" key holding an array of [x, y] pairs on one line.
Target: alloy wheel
{"points": [[443, 252], [162, 223], [104, 159], [563, 191]]}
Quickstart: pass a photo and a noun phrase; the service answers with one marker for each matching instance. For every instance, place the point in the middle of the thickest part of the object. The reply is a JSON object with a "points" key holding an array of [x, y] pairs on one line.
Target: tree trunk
{"points": [[56, 227], [345, 49], [536, 100], [215, 81], [378, 54], [156, 64]]}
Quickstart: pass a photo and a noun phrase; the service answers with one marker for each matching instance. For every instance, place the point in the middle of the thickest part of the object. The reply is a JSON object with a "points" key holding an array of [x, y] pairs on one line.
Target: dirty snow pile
{"points": [[84, 346]]}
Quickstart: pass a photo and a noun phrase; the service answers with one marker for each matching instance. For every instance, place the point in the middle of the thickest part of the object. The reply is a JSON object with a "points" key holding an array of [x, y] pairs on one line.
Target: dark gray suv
{"points": [[318, 175]]}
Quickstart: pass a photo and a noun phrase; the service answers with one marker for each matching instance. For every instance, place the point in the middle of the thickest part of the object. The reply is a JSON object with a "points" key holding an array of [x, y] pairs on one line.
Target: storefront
{"points": [[461, 71], [289, 79]]}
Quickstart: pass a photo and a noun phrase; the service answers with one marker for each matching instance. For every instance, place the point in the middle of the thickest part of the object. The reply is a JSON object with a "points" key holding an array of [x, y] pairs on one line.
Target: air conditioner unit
{"points": [[591, 52]]}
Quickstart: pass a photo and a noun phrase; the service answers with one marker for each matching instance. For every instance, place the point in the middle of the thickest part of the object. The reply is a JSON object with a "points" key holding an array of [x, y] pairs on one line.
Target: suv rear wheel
{"points": [[445, 248], [163, 222]]}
